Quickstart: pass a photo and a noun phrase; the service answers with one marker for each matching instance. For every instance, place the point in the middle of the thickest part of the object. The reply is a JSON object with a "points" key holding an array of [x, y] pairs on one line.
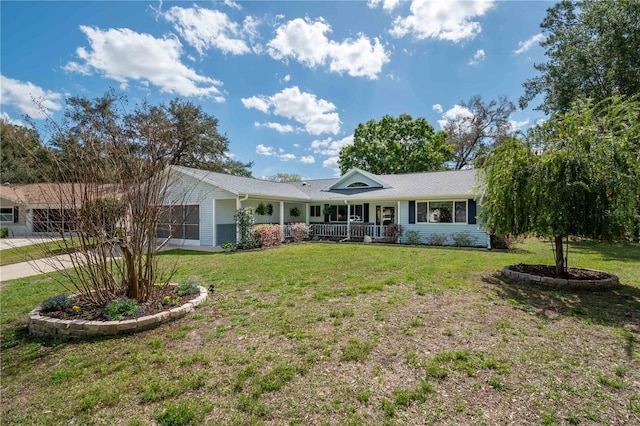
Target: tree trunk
{"points": [[132, 284], [559, 255]]}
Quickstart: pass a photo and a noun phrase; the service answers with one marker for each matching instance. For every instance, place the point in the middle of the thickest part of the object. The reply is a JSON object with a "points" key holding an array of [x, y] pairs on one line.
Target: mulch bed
{"points": [[550, 271], [90, 312]]}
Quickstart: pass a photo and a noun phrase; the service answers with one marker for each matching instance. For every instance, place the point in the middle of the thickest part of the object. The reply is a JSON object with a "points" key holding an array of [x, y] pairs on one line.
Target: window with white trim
{"points": [[6, 214], [339, 213], [441, 212], [315, 211]]}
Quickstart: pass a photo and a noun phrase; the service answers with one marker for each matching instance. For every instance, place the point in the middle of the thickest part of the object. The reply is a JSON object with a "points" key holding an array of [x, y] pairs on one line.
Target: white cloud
{"points": [[329, 146], [316, 115], [332, 163], [477, 57], [305, 41], [437, 108], [528, 43], [28, 98], [5, 117], [286, 78], [232, 4], [265, 150], [442, 20], [387, 5], [309, 159], [287, 157], [282, 128], [123, 55], [455, 113], [205, 28], [256, 103], [518, 125]]}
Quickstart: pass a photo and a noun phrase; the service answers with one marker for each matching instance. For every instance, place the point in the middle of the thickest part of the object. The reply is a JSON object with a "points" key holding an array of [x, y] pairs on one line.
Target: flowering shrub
{"points": [[437, 239], [299, 231], [268, 235], [116, 310], [187, 287], [464, 239], [246, 222], [56, 303]]}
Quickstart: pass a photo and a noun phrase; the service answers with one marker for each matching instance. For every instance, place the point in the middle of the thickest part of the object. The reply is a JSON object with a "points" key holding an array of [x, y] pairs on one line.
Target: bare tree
{"points": [[118, 187], [477, 127]]}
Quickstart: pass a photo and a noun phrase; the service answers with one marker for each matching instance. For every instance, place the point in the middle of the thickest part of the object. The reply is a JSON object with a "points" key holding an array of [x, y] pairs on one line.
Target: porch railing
{"points": [[339, 230]]}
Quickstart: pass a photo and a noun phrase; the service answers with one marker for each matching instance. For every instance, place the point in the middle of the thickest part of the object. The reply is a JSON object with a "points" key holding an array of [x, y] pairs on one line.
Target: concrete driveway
{"points": [[7, 243]]}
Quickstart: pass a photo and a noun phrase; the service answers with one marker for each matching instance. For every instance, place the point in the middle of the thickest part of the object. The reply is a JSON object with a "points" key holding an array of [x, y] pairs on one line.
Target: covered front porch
{"points": [[354, 231]]}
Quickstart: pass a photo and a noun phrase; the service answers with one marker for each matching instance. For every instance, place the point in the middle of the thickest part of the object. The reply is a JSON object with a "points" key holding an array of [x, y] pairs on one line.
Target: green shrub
{"points": [[437, 239], [116, 310], [56, 303], [246, 222], [4, 232], [464, 239], [413, 237], [187, 287]]}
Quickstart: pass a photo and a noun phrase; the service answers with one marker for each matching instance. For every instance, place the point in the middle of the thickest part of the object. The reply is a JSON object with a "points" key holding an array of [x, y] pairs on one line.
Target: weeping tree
{"points": [[117, 186], [578, 175]]}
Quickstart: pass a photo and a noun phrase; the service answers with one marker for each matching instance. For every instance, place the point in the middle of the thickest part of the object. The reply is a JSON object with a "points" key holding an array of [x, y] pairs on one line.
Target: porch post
{"points": [[348, 220], [398, 221], [307, 210], [213, 222], [282, 218]]}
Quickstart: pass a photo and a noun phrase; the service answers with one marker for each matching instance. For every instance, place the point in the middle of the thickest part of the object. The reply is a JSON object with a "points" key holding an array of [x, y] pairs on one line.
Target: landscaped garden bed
{"points": [[574, 278], [77, 316]]}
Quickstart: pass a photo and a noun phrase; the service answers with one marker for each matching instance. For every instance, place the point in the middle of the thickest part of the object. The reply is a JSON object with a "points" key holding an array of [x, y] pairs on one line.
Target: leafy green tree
{"points": [[576, 175], [478, 128], [593, 51], [285, 177], [199, 144], [396, 145], [23, 158], [187, 136]]}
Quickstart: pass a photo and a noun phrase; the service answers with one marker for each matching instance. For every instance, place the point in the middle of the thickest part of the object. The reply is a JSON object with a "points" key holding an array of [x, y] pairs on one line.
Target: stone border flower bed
{"points": [[603, 284], [43, 326]]}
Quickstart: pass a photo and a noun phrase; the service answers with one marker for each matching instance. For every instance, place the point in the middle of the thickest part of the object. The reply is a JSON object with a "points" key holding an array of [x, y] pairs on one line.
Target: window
{"points": [[6, 214], [315, 211], [182, 222], [441, 212], [357, 185], [339, 213]]}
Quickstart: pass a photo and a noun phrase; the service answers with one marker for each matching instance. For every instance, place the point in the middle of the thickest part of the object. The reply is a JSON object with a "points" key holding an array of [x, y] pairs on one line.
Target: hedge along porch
{"points": [[356, 204]]}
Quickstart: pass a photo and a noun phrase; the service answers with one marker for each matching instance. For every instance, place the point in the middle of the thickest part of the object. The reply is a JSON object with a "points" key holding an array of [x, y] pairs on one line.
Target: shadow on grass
{"points": [[187, 252], [609, 251], [619, 307]]}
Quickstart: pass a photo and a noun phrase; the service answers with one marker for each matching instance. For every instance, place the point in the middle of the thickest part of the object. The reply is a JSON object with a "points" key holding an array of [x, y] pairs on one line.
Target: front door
{"points": [[385, 215]]}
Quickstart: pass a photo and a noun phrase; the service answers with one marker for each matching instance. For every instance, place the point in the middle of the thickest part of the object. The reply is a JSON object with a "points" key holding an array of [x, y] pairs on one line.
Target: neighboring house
{"points": [[433, 203], [43, 207]]}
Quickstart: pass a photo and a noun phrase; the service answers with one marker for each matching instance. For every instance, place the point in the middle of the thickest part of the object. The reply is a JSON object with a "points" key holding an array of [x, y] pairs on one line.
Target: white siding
{"points": [[427, 229], [189, 191]]}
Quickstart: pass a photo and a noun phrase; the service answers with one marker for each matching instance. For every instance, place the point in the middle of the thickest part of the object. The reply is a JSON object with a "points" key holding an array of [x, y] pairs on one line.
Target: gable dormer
{"points": [[358, 179]]}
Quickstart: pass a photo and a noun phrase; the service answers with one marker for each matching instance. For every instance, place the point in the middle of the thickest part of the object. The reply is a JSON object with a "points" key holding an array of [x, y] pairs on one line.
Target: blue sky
{"points": [[289, 81]]}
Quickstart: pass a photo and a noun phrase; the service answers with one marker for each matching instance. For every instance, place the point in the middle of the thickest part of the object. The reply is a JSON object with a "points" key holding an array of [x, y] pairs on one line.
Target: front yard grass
{"points": [[346, 334]]}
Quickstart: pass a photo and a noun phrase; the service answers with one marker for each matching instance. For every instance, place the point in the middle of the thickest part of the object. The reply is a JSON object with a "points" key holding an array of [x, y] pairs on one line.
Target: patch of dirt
{"points": [[550, 271], [87, 310]]}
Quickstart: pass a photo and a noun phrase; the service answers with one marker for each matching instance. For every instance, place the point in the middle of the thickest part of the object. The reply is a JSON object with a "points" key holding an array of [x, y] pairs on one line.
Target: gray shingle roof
{"points": [[412, 186]]}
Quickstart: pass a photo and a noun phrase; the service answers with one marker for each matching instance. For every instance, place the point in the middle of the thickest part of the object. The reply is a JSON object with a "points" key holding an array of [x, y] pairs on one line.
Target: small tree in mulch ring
{"points": [[575, 175]]}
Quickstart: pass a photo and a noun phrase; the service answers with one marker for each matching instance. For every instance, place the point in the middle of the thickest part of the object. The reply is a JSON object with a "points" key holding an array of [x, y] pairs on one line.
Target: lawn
{"points": [[350, 334]]}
